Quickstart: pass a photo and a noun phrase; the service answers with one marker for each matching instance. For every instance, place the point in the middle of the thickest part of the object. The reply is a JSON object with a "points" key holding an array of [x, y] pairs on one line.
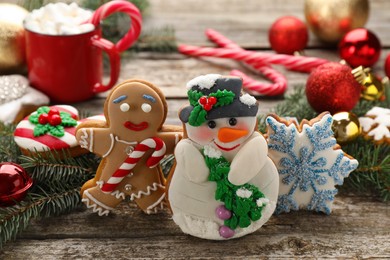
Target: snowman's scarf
{"points": [[242, 201]]}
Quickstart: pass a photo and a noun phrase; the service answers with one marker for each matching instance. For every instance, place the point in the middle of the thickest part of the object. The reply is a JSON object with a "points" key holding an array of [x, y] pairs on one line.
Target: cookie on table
{"points": [[309, 162], [376, 125], [49, 129], [131, 142], [18, 99]]}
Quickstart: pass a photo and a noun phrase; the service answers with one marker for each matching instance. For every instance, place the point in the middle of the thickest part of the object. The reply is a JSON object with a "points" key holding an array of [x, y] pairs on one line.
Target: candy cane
{"points": [[120, 6], [255, 87], [131, 161], [295, 63]]}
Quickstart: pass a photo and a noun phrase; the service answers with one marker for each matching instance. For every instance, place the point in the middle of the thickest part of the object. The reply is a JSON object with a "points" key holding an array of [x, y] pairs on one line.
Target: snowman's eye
{"points": [[232, 121], [211, 124], [124, 107]]}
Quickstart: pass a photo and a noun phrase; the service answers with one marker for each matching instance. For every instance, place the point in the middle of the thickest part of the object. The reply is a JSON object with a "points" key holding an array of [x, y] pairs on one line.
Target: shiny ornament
{"points": [[329, 20], [288, 35], [360, 47], [12, 40], [346, 127], [14, 183], [372, 87], [332, 87], [387, 65], [12, 87]]}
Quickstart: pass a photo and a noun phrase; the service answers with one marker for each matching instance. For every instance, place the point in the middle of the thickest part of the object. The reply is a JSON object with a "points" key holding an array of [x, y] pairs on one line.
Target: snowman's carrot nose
{"points": [[227, 135]]}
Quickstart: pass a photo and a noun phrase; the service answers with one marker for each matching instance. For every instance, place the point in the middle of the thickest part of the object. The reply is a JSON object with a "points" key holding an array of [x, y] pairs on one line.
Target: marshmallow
{"points": [[59, 19]]}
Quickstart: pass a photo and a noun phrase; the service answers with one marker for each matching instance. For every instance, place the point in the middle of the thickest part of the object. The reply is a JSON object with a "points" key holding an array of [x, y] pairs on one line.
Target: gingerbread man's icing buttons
{"points": [[131, 145]]}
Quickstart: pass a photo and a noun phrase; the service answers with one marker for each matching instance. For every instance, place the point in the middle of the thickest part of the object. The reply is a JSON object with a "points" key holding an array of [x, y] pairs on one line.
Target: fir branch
{"points": [[161, 40], [48, 167], [48, 201], [9, 151]]}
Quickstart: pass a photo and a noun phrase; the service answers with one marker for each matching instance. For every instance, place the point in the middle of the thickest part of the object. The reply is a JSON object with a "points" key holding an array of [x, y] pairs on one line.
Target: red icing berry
{"points": [[43, 119], [212, 100], [53, 111], [55, 120], [203, 100], [207, 107]]}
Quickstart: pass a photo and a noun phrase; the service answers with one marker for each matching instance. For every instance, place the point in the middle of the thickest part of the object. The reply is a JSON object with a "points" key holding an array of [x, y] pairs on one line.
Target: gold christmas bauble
{"points": [[346, 127], [12, 42], [329, 20]]}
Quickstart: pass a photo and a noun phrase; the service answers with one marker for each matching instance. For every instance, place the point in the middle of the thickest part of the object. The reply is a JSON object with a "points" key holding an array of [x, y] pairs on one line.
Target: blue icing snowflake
{"points": [[309, 166]]}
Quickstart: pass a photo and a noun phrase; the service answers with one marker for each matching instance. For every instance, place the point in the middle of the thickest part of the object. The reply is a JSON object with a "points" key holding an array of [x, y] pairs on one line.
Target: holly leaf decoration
{"points": [[197, 116], [43, 110], [224, 97], [255, 214], [244, 221], [194, 96], [33, 118], [232, 222], [67, 120], [57, 130], [40, 130]]}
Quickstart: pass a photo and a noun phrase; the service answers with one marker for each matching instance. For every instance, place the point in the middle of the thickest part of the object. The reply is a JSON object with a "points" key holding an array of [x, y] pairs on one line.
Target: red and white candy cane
{"points": [[151, 143], [279, 85], [125, 7]]}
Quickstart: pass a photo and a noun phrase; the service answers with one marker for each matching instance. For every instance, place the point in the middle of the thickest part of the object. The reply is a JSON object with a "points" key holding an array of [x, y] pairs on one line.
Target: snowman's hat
{"points": [[213, 96]]}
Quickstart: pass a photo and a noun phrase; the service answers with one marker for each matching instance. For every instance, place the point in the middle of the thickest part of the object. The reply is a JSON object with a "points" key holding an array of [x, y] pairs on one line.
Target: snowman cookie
{"points": [[224, 185], [131, 144], [49, 129]]}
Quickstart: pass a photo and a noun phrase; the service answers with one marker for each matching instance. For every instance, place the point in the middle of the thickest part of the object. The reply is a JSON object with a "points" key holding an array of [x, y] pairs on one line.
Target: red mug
{"points": [[69, 68]]}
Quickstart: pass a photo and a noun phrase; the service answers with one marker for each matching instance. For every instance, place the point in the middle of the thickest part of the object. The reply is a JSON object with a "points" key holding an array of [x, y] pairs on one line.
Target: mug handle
{"points": [[113, 54], [124, 7]]}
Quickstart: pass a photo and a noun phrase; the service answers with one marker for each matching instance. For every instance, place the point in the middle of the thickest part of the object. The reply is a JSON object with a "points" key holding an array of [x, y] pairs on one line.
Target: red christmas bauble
{"points": [[387, 65], [14, 183], [288, 34], [360, 47], [332, 87]]}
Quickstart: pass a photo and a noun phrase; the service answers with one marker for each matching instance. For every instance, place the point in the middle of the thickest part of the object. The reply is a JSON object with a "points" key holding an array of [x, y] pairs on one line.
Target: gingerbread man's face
{"points": [[135, 111]]}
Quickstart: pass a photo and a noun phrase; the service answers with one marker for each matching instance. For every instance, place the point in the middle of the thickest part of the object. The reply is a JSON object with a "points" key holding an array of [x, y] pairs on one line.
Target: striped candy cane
{"points": [[151, 143], [125, 7], [279, 85]]}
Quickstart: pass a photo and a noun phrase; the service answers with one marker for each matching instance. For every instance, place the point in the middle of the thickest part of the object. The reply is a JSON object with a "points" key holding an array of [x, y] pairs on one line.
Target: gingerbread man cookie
{"points": [[131, 143], [376, 125]]}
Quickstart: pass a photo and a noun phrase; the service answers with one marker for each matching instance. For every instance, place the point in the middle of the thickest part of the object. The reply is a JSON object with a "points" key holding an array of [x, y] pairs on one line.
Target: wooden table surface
{"points": [[359, 226]]}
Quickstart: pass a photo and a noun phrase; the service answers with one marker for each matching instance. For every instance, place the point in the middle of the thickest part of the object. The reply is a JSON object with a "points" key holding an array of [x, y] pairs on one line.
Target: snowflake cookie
{"points": [[309, 161], [376, 125]]}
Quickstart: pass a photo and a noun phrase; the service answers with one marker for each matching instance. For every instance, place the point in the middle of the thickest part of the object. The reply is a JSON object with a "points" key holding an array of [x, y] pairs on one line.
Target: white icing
{"points": [[124, 107], [193, 203], [30, 144], [118, 194], [244, 193], [111, 146], [248, 100], [148, 191], [11, 109], [377, 127], [262, 201], [84, 143], [212, 152], [155, 204], [146, 107], [204, 81], [97, 206]]}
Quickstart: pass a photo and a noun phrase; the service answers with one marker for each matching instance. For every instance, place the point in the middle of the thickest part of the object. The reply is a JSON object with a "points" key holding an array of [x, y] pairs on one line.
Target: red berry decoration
{"points": [[360, 47], [332, 87], [14, 183], [207, 107], [212, 100], [53, 111], [43, 119], [288, 34], [55, 120], [387, 65], [203, 100]]}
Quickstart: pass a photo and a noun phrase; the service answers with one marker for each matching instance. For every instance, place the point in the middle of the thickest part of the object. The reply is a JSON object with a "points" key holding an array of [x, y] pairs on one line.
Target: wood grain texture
{"points": [[357, 228]]}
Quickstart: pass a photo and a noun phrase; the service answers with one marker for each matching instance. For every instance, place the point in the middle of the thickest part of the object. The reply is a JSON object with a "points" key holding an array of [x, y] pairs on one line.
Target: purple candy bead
{"points": [[226, 232], [223, 213]]}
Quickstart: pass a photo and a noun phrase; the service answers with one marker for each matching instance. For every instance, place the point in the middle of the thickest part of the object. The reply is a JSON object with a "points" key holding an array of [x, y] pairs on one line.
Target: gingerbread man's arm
{"points": [[88, 138], [170, 139]]}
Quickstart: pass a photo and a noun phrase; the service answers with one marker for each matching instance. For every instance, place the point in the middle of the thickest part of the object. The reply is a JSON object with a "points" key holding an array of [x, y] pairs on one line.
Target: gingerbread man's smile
{"points": [[136, 127]]}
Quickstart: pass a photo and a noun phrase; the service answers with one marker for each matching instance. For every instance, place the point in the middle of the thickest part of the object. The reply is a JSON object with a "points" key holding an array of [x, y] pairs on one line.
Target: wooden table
{"points": [[359, 226]]}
